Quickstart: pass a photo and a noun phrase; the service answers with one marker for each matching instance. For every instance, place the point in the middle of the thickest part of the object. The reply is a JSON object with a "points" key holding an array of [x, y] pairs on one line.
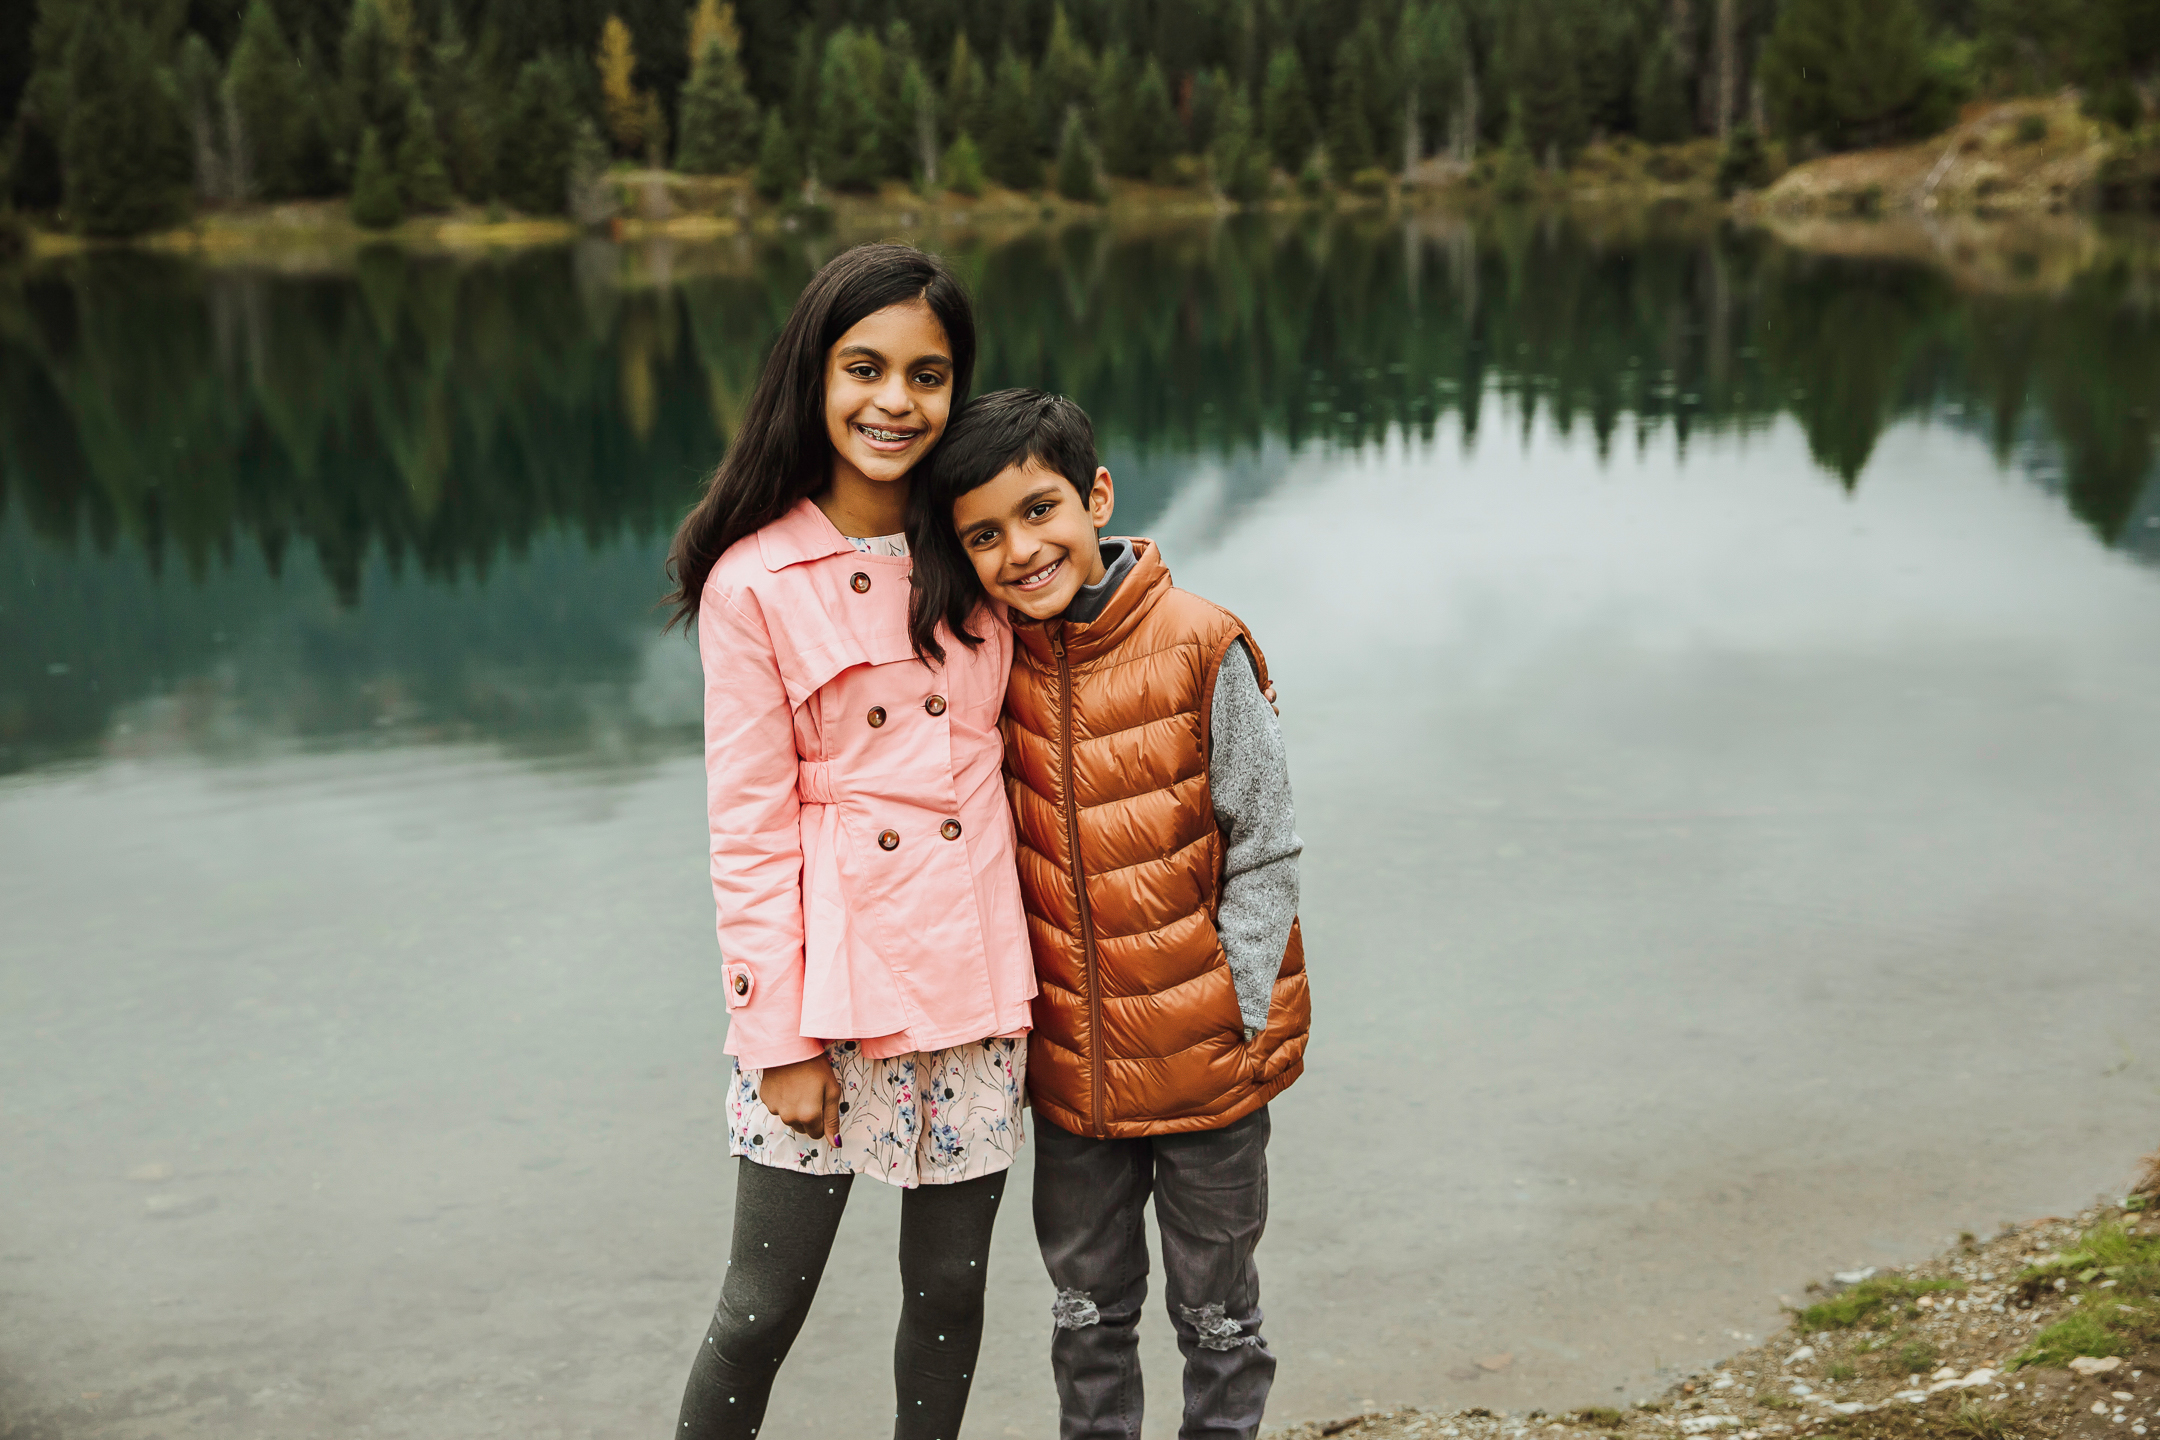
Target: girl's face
{"points": [[888, 391]]}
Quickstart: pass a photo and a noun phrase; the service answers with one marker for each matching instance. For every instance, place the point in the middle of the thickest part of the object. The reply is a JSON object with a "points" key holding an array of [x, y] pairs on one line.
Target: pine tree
{"points": [[376, 80], [592, 200], [538, 133], [375, 203], [1009, 153], [1287, 111], [1544, 83], [962, 170], [1853, 72], [967, 90], [622, 104], [262, 93], [918, 113], [854, 137], [1236, 157], [1663, 111], [124, 151], [1349, 133], [1154, 126], [1078, 176], [718, 120], [1375, 90], [779, 161], [422, 179], [465, 102], [1116, 77], [1064, 83]]}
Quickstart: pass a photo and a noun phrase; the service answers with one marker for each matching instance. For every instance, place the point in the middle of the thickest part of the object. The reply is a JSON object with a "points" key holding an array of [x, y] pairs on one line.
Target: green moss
{"points": [[1841, 1371], [1842, 1312], [1600, 1415]]}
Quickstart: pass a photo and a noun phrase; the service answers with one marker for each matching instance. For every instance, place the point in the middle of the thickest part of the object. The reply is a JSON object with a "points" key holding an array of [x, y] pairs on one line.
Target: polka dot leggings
{"points": [[784, 1228]]}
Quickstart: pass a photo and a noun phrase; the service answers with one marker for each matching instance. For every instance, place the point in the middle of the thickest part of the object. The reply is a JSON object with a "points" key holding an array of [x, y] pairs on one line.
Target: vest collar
{"points": [[1142, 590], [802, 534]]}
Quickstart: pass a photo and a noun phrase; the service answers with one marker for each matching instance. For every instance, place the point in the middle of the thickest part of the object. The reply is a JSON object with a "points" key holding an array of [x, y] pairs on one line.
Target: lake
{"points": [[1723, 694]]}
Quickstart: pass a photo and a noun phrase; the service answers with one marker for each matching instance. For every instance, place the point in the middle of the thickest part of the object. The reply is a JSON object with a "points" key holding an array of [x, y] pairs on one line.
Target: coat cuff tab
{"points": [[741, 984]]}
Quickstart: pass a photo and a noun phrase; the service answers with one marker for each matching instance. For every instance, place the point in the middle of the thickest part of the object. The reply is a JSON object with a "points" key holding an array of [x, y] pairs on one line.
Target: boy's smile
{"points": [[1032, 540]]}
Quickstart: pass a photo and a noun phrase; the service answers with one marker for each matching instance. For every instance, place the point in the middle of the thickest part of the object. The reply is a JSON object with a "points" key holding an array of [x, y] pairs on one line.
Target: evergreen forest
{"points": [[120, 116]]}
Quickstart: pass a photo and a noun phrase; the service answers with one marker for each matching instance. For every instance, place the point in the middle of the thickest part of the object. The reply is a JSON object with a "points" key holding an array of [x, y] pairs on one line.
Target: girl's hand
{"points": [[805, 1097]]}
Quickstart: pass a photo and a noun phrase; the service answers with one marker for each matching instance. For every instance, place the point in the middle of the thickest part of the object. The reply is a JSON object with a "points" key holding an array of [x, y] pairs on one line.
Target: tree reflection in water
{"points": [[430, 495]]}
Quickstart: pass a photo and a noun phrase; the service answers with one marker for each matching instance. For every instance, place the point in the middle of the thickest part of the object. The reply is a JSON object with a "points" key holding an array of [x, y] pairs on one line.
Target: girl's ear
{"points": [[1102, 498]]}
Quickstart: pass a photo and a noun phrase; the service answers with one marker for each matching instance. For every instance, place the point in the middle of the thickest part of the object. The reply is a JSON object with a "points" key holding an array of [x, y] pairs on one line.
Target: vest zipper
{"points": [[1087, 922]]}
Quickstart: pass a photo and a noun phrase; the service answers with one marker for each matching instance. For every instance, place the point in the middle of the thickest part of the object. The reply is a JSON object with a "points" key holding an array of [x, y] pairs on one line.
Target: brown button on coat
{"points": [[1137, 1030]]}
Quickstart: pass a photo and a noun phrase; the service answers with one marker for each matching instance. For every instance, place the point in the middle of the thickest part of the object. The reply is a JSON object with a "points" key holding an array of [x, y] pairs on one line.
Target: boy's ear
{"points": [[1102, 498]]}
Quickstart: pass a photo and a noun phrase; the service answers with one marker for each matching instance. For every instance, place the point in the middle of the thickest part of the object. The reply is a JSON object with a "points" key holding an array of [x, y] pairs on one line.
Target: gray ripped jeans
{"points": [[1210, 1189]]}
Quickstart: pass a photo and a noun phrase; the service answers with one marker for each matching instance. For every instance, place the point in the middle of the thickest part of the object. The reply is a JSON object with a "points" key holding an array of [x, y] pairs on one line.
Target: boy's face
{"points": [[1032, 538]]}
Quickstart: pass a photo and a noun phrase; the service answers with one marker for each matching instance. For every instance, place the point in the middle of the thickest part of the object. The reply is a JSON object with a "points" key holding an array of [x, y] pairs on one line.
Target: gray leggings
{"points": [[784, 1227]]}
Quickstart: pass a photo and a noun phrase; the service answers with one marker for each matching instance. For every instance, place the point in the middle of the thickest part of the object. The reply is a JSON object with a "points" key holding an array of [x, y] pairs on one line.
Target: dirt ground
{"points": [[1939, 1351]]}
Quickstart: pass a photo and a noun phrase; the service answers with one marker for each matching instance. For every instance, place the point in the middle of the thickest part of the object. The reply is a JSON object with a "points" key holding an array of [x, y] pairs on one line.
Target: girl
{"points": [[876, 965]]}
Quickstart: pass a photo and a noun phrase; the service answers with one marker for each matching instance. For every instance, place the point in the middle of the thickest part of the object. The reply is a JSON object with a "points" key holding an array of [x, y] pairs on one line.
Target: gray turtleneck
{"points": [[1249, 778]]}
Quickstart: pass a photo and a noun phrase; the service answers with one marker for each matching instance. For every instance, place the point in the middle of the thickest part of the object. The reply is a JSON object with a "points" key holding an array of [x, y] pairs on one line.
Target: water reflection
{"points": [[427, 496]]}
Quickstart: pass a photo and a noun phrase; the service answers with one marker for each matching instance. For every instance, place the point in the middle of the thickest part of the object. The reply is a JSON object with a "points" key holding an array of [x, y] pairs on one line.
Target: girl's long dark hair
{"points": [[781, 453]]}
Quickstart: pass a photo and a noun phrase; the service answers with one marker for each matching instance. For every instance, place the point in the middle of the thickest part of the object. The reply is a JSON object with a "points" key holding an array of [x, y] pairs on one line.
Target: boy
{"points": [[1158, 862]]}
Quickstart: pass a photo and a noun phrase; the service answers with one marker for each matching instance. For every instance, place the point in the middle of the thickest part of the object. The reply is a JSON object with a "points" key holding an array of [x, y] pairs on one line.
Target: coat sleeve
{"points": [[755, 816]]}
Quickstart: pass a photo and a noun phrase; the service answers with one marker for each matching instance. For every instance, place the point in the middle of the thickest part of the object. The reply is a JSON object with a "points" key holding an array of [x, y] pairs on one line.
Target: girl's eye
{"points": [[929, 377], [982, 537], [863, 372]]}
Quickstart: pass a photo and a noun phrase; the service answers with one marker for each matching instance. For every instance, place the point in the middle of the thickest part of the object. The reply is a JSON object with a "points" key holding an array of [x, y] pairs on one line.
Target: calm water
{"points": [[1723, 699]]}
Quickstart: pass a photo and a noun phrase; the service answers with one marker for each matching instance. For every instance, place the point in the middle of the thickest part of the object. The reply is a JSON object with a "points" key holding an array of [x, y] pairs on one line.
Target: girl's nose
{"points": [[893, 396]]}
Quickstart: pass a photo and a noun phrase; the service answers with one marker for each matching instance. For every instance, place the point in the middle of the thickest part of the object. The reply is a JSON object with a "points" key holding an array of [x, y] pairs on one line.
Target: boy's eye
{"points": [[1040, 509]]}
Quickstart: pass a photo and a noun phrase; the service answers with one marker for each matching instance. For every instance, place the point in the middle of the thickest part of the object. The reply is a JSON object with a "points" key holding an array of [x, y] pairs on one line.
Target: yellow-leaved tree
{"points": [[712, 20], [622, 104]]}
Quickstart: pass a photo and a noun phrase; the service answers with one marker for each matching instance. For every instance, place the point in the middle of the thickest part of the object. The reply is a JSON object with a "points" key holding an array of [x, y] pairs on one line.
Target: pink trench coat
{"points": [[862, 851]]}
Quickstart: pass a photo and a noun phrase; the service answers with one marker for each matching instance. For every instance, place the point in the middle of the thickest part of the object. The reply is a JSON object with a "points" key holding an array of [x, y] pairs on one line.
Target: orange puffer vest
{"points": [[1106, 761]]}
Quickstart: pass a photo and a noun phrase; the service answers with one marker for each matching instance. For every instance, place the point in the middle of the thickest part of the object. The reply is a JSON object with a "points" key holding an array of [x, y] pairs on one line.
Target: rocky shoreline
{"points": [[2047, 1331]]}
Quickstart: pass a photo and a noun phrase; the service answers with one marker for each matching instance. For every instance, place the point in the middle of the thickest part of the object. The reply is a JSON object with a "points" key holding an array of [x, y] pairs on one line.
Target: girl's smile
{"points": [[888, 393]]}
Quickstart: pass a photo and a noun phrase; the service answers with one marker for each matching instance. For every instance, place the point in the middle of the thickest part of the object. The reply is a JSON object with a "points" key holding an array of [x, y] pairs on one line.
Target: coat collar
{"points": [[1142, 589], [802, 534]]}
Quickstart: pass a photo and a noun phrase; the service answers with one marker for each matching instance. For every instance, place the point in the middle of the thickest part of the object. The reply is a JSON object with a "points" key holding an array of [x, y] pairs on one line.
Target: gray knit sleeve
{"points": [[1249, 774]]}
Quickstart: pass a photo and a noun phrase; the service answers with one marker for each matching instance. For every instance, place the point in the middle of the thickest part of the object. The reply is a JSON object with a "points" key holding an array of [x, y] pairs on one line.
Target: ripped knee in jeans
{"points": [[1074, 1310], [1217, 1330]]}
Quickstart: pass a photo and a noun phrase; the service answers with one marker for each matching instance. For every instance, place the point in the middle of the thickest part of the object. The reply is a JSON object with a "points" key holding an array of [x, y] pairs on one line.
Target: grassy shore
{"points": [[2047, 1331]]}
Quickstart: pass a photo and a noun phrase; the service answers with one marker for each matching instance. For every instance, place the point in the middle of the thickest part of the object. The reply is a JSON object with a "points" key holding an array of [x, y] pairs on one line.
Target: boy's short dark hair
{"points": [[1007, 428], [990, 435]]}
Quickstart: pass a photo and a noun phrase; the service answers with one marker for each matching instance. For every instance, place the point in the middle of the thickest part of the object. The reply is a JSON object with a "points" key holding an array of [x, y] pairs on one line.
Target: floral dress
{"points": [[929, 1118]]}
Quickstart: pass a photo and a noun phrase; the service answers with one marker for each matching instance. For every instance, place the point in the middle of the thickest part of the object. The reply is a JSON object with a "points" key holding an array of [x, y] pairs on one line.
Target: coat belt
{"points": [[813, 783]]}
